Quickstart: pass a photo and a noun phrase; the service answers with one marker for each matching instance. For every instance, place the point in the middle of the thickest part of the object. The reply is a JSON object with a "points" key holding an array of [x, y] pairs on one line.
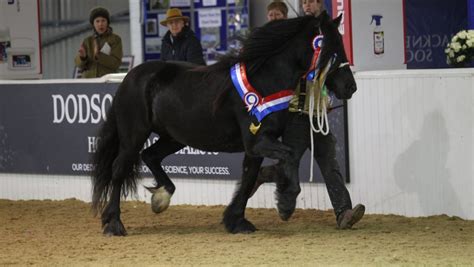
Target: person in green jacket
{"points": [[100, 53]]}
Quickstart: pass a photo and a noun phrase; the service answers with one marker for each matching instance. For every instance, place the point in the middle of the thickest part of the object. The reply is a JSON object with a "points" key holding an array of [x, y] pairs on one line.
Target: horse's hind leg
{"points": [[234, 215], [164, 188], [122, 180]]}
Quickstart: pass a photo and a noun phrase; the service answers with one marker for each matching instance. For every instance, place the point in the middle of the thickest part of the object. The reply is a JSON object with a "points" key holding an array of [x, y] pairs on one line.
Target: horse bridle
{"points": [[315, 60]]}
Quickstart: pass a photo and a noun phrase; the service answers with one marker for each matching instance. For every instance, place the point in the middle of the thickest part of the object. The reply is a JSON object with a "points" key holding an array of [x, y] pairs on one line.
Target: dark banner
{"points": [[430, 26], [52, 128]]}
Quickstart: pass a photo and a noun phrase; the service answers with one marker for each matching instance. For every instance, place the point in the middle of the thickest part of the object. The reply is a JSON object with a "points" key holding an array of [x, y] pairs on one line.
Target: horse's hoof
{"points": [[285, 210], [285, 215], [160, 200], [115, 228], [242, 226], [286, 204]]}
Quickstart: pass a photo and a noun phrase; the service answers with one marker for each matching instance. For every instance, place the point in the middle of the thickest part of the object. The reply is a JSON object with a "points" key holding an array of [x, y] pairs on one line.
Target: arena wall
{"points": [[410, 143]]}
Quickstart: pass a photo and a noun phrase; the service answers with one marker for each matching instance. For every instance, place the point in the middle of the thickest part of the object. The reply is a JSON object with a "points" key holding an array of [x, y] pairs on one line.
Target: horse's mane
{"points": [[262, 43]]}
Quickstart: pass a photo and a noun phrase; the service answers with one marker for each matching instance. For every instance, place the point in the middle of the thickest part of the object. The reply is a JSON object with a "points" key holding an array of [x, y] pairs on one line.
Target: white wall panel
{"points": [[411, 143], [411, 136]]}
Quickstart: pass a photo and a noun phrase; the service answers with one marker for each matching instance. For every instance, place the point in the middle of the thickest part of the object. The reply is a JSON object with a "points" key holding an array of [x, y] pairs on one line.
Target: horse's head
{"points": [[317, 54], [282, 51], [339, 78]]}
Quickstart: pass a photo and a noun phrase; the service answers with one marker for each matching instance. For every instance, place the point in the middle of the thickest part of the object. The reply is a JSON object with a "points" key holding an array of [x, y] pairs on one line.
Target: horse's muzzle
{"points": [[350, 90]]}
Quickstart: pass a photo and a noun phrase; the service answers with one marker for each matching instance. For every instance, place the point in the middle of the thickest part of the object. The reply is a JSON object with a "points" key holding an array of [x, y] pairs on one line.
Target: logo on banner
{"points": [[420, 48], [80, 108]]}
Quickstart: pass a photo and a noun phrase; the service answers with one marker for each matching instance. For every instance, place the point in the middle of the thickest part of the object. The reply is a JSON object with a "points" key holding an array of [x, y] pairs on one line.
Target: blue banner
{"points": [[430, 24], [51, 129], [470, 14]]}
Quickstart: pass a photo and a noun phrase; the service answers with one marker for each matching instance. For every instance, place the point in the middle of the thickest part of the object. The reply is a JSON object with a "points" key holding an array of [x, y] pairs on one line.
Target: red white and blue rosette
{"points": [[257, 105], [318, 42]]}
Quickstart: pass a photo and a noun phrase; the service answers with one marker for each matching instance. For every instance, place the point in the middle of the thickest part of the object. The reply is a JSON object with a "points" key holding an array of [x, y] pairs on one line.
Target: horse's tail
{"points": [[103, 160]]}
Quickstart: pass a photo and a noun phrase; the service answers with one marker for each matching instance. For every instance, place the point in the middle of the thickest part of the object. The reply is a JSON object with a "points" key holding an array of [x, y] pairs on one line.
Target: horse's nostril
{"points": [[353, 88]]}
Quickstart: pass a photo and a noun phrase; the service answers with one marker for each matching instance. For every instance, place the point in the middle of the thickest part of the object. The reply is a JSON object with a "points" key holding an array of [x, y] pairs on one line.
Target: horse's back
{"points": [[142, 82]]}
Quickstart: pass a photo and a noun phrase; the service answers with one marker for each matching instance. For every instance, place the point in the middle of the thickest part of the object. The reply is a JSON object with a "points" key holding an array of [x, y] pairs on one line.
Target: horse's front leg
{"points": [[288, 190], [234, 215], [270, 147], [288, 186]]}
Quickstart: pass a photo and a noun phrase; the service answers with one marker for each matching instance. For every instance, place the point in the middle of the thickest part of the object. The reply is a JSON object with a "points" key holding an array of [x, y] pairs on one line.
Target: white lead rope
{"points": [[322, 118], [321, 111]]}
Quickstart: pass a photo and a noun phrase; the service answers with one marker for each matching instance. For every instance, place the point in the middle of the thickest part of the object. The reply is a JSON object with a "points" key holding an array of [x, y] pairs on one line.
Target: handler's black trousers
{"points": [[297, 136]]}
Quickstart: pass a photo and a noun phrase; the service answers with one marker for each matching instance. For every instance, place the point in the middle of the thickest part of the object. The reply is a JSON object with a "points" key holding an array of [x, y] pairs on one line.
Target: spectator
{"points": [[277, 10], [100, 53], [312, 7], [297, 136], [180, 42]]}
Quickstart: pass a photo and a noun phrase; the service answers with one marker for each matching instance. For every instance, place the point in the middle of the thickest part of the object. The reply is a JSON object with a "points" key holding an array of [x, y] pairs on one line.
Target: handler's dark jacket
{"points": [[184, 47], [104, 63]]}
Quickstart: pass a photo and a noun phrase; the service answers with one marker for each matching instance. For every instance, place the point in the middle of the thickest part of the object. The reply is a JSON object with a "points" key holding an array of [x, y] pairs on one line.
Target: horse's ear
{"points": [[324, 18], [338, 20], [324, 14]]}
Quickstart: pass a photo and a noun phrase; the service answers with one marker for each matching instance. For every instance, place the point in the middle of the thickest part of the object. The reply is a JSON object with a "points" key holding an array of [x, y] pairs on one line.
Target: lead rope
{"points": [[322, 118]]}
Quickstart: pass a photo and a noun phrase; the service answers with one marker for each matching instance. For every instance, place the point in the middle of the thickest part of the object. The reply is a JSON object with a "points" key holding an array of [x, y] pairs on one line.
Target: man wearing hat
{"points": [[100, 53], [180, 42]]}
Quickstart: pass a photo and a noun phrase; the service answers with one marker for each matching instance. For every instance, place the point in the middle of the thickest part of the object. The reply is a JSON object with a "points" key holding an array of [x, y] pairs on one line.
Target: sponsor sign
{"points": [[428, 36], [52, 129]]}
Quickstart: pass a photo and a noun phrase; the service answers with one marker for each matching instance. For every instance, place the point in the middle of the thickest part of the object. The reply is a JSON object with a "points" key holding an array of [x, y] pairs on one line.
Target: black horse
{"points": [[201, 108]]}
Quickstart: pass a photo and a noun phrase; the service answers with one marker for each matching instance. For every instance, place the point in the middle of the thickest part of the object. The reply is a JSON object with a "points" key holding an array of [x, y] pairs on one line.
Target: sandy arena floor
{"points": [[64, 233]]}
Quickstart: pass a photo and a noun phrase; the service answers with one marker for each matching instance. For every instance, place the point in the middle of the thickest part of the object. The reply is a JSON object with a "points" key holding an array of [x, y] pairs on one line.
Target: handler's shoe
{"points": [[350, 217]]}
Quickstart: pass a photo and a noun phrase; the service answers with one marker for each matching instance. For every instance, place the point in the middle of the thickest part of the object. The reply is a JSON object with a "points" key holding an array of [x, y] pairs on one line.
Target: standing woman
{"points": [[100, 53], [180, 42]]}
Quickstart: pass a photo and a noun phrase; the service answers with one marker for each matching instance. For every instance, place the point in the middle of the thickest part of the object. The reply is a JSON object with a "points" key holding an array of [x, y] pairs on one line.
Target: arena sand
{"points": [[64, 233]]}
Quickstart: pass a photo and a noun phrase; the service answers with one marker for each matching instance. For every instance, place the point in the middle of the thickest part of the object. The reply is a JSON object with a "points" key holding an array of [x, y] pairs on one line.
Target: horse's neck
{"points": [[275, 75]]}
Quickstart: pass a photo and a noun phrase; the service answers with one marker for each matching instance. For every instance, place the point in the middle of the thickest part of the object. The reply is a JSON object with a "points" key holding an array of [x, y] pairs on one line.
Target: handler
{"points": [[297, 136]]}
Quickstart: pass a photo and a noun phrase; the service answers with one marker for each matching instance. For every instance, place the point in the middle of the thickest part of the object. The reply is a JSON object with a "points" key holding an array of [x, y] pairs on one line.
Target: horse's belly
{"points": [[209, 138], [189, 116], [217, 145], [212, 142]]}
